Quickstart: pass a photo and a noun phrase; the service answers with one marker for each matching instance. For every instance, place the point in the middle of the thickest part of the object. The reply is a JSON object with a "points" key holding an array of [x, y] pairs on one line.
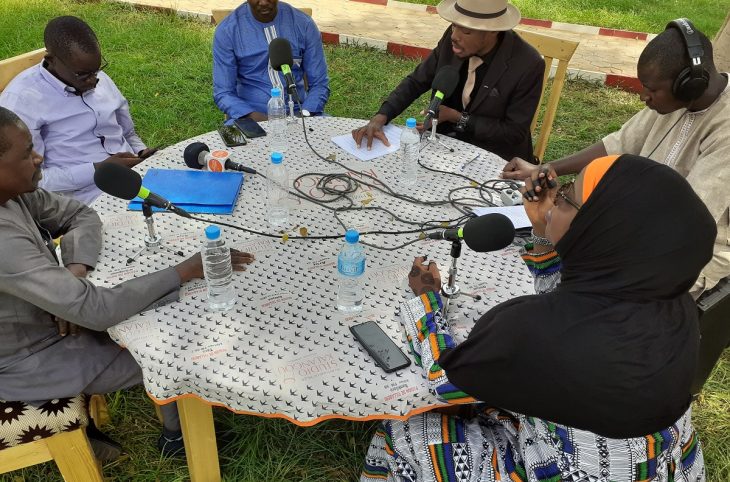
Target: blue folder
{"points": [[194, 191]]}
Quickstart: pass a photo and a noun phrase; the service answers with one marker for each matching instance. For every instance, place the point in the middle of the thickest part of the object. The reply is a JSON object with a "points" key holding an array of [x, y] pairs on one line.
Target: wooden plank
{"points": [[219, 14], [72, 453], [24, 455], [99, 410], [551, 48], [196, 419], [551, 110], [11, 67], [555, 47]]}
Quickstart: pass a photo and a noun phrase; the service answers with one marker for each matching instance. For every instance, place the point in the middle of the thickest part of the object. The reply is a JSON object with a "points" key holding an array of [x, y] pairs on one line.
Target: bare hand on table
{"points": [[192, 267]]}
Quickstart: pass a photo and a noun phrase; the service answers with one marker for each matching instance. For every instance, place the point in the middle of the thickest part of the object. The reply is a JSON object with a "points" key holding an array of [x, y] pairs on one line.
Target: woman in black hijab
{"points": [[591, 376]]}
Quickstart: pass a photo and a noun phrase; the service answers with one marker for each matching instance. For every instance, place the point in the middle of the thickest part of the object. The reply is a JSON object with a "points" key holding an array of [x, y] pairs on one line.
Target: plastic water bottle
{"points": [[218, 270], [277, 122], [410, 152], [350, 268], [277, 191]]}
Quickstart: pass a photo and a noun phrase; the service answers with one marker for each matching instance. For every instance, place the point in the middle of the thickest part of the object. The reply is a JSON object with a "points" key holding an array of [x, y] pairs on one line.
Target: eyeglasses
{"points": [[561, 193], [84, 76]]}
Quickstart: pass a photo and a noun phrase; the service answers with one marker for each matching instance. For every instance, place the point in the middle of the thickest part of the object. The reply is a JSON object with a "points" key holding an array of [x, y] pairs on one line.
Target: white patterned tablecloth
{"points": [[284, 350]]}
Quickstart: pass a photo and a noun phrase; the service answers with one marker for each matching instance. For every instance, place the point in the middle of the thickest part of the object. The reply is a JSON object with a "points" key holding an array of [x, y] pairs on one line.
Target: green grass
{"points": [[645, 16], [163, 65]]}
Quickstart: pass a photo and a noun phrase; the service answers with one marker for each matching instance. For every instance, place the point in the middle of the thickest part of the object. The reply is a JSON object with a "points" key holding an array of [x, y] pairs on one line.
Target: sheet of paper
{"points": [[347, 143], [516, 214]]}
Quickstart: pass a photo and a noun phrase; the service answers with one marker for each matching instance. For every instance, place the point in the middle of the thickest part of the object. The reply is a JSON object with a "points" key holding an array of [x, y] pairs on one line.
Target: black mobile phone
{"points": [[232, 136], [386, 353], [249, 127]]}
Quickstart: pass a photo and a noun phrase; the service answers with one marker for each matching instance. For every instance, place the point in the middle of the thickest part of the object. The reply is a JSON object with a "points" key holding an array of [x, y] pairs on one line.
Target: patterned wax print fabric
{"points": [[497, 445]]}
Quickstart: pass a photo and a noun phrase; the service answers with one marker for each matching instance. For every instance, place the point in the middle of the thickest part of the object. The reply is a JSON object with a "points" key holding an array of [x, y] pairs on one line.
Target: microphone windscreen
{"points": [[280, 53], [490, 232], [446, 80], [192, 155], [119, 181]]}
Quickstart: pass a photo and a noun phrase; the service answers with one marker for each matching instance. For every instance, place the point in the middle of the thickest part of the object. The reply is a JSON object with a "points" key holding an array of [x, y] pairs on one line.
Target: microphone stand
{"points": [[291, 119], [152, 241], [433, 137], [451, 290]]}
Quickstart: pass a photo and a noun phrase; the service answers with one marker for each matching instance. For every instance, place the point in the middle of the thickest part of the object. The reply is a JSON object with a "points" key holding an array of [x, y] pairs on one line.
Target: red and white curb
{"points": [[623, 82], [567, 27]]}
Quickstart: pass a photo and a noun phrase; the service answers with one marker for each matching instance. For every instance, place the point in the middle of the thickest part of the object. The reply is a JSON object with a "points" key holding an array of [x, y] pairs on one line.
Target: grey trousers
{"points": [[124, 372]]}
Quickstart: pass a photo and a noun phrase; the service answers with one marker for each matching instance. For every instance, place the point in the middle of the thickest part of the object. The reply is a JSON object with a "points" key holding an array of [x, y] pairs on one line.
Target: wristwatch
{"points": [[463, 121]]}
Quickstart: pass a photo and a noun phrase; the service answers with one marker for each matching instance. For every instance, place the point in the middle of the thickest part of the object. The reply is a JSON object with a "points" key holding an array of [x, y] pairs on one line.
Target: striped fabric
{"points": [[427, 337], [270, 34], [545, 268], [543, 263], [496, 445]]}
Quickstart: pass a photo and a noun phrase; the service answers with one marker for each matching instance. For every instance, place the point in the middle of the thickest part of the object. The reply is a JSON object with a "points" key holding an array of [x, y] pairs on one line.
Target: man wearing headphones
{"points": [[686, 125]]}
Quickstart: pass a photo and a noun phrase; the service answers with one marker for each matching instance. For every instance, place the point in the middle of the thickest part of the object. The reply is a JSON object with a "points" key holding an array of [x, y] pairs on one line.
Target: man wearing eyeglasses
{"points": [[76, 114]]}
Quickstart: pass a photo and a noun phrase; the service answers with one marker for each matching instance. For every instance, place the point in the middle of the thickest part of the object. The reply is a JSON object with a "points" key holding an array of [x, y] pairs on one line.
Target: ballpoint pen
{"points": [[470, 161]]}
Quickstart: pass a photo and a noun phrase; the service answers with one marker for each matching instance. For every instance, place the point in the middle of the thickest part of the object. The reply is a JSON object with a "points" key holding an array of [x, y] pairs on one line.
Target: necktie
{"points": [[474, 63]]}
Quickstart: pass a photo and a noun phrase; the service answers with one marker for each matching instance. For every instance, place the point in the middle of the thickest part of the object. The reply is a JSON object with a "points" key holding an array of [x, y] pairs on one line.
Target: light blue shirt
{"points": [[71, 131], [242, 76]]}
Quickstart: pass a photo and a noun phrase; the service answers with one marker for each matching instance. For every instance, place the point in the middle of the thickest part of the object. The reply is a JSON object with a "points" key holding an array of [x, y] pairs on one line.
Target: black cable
{"points": [[102, 139], [330, 236], [381, 186], [666, 134], [351, 185]]}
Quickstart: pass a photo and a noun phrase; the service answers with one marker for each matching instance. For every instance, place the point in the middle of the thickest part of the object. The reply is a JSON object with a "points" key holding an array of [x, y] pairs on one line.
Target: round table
{"points": [[284, 350]]}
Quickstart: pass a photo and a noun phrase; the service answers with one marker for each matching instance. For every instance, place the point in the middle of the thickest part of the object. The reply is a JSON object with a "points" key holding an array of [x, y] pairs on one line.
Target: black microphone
{"points": [[197, 155], [490, 232], [280, 58], [122, 182], [444, 84]]}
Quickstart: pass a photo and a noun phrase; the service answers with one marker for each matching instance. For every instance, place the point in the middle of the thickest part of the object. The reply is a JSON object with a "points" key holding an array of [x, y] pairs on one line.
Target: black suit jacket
{"points": [[503, 107]]}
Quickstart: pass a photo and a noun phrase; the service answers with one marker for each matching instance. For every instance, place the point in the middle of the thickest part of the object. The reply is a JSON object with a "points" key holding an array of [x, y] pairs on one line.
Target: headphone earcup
{"points": [[687, 88]]}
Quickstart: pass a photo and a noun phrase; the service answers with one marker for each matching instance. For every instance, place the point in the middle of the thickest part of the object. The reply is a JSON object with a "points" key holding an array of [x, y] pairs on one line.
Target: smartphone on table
{"points": [[231, 136], [249, 127], [384, 351]]}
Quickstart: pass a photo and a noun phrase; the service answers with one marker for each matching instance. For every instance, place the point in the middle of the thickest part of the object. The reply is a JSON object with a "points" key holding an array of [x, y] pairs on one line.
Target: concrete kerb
{"points": [[203, 17], [627, 83], [421, 53], [568, 27]]}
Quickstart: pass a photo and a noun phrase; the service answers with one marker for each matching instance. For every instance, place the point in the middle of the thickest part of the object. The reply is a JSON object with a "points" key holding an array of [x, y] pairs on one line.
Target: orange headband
{"points": [[594, 172]]}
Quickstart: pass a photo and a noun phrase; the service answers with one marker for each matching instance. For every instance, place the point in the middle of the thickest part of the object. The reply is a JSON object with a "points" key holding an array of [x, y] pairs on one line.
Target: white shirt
{"points": [[71, 131]]}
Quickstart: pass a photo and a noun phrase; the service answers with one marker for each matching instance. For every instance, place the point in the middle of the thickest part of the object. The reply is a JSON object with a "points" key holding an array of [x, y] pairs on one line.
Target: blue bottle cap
{"points": [[352, 236], [212, 232], [411, 122], [275, 92], [276, 157]]}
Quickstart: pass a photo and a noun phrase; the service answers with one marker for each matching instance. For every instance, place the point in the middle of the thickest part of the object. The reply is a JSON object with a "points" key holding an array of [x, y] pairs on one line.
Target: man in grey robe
{"points": [[53, 342]]}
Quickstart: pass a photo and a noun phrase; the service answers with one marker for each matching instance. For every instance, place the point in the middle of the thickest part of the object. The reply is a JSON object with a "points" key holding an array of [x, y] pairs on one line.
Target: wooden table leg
{"points": [[196, 419]]}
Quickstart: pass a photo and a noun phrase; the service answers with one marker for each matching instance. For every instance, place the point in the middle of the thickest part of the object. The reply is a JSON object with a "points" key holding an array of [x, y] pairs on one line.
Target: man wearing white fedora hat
{"points": [[500, 80]]}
